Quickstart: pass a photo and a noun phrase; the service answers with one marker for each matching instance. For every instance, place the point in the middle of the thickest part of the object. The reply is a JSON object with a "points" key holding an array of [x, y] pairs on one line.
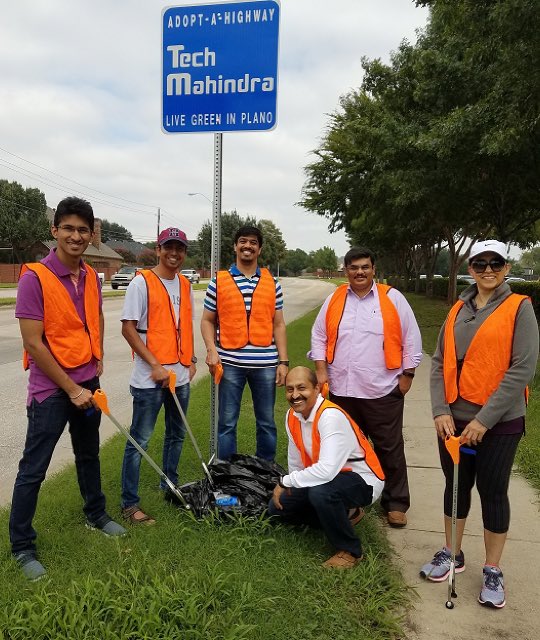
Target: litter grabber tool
{"points": [[172, 389], [452, 445], [101, 400]]}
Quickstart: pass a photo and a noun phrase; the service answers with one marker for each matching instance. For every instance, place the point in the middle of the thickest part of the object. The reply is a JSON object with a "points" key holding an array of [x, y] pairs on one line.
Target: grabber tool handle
{"points": [[101, 400], [452, 444], [172, 381]]}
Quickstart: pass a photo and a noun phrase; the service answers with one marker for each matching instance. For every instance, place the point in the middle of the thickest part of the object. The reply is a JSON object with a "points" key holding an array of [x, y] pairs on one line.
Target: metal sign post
{"points": [[219, 73], [214, 268]]}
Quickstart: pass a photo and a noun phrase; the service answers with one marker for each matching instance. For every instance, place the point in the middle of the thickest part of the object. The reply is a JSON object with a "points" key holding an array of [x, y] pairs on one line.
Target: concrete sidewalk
{"points": [[415, 544]]}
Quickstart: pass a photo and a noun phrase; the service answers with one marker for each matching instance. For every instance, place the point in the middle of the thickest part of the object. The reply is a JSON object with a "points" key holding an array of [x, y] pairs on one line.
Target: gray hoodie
{"points": [[507, 401]]}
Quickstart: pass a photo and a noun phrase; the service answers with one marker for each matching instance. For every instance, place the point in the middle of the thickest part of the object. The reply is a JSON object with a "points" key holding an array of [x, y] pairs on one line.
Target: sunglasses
{"points": [[496, 264]]}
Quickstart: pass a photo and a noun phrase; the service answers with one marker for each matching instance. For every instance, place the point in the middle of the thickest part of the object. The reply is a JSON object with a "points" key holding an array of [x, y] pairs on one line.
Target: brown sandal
{"points": [[135, 515]]}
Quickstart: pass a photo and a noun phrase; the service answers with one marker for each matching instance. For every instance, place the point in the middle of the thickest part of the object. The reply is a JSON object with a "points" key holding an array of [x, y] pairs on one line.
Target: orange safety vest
{"points": [[295, 429], [170, 341], [71, 341], [237, 328], [392, 345], [488, 356]]}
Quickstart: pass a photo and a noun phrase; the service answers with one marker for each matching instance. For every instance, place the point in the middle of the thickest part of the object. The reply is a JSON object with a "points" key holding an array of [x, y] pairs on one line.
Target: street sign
{"points": [[219, 66]]}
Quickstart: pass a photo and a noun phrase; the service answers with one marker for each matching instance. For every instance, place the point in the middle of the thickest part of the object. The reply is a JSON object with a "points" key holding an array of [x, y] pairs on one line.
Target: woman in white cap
{"points": [[486, 355]]}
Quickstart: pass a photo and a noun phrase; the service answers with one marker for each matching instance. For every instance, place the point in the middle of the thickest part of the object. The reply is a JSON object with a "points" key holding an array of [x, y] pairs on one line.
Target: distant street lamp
{"points": [[197, 193]]}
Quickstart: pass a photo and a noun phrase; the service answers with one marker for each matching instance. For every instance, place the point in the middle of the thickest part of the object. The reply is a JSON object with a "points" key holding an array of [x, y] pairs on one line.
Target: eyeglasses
{"points": [[70, 230], [354, 268], [496, 264]]}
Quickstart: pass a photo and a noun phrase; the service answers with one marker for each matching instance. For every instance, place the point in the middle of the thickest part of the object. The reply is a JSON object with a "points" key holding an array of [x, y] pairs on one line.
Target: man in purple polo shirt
{"points": [[61, 323], [367, 348]]}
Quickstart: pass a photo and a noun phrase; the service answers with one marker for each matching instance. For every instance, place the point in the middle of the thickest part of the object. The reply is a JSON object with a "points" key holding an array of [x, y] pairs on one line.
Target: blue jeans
{"points": [[46, 423], [146, 406], [262, 383], [326, 506]]}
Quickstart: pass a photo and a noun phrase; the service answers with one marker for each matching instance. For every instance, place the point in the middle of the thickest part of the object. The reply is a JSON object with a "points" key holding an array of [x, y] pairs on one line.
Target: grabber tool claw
{"points": [[100, 398], [172, 389]]}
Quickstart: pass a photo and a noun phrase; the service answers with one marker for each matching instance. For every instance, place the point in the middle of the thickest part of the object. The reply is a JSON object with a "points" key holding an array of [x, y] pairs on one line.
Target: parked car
{"points": [[101, 277], [124, 276], [465, 280], [192, 275], [515, 279]]}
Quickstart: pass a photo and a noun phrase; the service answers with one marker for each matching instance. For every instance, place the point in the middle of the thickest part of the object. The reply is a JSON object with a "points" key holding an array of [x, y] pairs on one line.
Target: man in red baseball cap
{"points": [[157, 322]]}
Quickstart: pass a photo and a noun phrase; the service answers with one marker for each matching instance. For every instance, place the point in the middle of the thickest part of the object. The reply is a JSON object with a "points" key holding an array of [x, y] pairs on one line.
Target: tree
{"points": [[273, 243], [274, 247], [114, 231], [324, 259], [295, 261], [23, 220], [147, 258], [128, 256], [441, 146]]}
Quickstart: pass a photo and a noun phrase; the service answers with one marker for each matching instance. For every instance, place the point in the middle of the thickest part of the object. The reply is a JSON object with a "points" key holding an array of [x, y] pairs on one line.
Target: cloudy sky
{"points": [[80, 111]]}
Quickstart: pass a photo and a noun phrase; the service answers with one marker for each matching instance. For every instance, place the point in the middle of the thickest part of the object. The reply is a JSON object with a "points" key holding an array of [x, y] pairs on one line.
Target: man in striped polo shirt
{"points": [[243, 329]]}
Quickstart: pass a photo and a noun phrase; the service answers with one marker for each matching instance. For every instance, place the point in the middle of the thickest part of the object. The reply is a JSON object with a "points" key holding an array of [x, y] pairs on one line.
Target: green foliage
{"points": [[441, 145], [230, 222], [274, 246], [188, 579], [128, 256], [295, 261], [114, 231], [22, 219], [324, 259]]}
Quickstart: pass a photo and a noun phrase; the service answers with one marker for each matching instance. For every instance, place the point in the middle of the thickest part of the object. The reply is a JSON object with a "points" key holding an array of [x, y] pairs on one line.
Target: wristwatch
{"points": [[280, 482], [194, 360], [285, 362], [408, 374]]}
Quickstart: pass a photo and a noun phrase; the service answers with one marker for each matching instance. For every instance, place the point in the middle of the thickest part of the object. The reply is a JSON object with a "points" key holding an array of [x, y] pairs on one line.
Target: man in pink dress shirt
{"points": [[366, 344]]}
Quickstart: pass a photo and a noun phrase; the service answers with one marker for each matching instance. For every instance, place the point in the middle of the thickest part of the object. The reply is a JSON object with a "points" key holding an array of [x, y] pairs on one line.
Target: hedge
{"points": [[440, 289]]}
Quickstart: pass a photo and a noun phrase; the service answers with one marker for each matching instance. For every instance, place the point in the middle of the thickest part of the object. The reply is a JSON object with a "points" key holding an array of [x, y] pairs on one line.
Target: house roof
{"points": [[136, 248], [103, 252]]}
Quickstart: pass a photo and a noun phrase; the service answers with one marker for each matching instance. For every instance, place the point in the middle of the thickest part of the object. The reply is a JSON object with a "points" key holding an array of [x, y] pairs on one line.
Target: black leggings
{"points": [[490, 467]]}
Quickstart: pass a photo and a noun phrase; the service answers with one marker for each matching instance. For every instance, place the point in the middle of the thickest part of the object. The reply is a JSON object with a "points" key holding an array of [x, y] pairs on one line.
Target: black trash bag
{"points": [[249, 479]]}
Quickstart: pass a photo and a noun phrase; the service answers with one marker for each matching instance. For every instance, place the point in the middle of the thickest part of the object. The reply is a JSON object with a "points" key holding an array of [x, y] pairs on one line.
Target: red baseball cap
{"points": [[172, 233]]}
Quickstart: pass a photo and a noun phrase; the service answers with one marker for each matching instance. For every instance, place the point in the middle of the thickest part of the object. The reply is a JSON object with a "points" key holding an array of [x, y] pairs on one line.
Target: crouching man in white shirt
{"points": [[333, 471]]}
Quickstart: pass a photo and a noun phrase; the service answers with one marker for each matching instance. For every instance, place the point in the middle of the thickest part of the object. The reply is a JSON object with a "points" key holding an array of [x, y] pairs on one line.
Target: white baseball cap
{"points": [[483, 246]]}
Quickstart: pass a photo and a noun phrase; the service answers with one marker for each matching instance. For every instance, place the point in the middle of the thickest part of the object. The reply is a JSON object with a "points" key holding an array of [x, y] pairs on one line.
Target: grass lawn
{"points": [[188, 579], [430, 314]]}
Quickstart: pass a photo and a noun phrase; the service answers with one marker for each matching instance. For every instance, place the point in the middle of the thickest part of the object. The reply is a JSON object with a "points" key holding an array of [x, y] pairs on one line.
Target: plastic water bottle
{"points": [[225, 500]]}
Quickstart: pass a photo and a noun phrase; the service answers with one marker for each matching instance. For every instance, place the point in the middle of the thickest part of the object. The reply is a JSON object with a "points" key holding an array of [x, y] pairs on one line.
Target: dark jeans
{"points": [[327, 506], [381, 419], [262, 383], [46, 423], [146, 407]]}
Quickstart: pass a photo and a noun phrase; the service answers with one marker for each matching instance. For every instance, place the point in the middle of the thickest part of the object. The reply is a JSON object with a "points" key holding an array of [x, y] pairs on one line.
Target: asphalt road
{"points": [[300, 296]]}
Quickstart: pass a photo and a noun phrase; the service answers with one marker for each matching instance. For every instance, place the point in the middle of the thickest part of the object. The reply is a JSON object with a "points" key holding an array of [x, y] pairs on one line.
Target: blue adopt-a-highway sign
{"points": [[220, 67]]}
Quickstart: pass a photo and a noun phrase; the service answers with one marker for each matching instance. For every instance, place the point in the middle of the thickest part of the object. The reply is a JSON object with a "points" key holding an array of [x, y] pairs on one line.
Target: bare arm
{"points": [[159, 374], [32, 336], [208, 332], [280, 338]]}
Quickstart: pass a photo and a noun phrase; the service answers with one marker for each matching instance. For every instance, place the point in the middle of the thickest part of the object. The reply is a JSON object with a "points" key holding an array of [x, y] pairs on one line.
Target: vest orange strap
{"points": [[169, 340], [488, 356], [236, 327], [296, 433], [71, 341], [393, 348]]}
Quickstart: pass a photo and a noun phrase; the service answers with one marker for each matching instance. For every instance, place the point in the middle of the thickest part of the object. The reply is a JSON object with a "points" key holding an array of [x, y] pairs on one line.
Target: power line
{"points": [[142, 204], [36, 176]]}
